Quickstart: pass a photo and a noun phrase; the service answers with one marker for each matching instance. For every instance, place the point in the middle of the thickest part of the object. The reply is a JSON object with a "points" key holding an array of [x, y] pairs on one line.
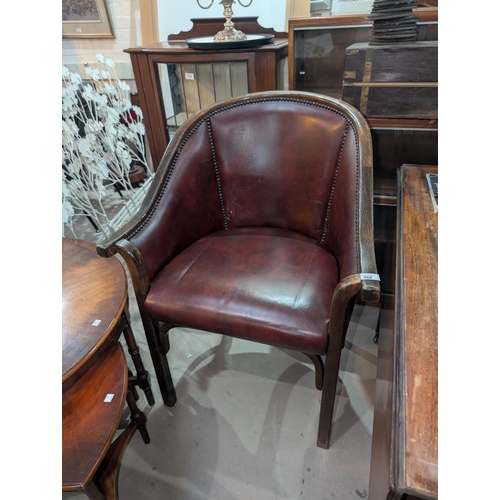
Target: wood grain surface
{"points": [[93, 289], [418, 320], [88, 422]]}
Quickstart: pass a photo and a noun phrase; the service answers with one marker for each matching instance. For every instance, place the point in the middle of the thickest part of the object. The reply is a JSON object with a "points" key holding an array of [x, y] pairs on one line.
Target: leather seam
{"points": [[219, 185], [332, 191], [165, 184], [358, 250]]}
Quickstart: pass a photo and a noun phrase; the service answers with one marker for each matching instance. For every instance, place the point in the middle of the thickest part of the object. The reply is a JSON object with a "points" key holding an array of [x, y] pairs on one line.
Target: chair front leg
{"points": [[332, 365], [140, 281], [160, 362], [164, 338], [342, 306]]}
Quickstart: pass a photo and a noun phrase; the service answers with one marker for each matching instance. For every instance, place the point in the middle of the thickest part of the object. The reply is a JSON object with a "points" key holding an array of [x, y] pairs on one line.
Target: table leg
{"points": [[137, 416], [106, 476], [142, 374], [93, 492], [133, 388]]}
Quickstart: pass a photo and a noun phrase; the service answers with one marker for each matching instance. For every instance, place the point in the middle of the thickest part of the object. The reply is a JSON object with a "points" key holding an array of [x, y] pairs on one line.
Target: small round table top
{"points": [[94, 294]]}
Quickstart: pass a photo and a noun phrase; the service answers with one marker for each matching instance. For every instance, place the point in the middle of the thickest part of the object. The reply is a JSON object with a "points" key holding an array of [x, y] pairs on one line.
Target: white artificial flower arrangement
{"points": [[103, 136]]}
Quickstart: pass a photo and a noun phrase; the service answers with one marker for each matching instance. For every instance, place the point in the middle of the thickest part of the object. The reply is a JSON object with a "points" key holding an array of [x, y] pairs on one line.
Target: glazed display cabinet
{"points": [[174, 80], [317, 48]]}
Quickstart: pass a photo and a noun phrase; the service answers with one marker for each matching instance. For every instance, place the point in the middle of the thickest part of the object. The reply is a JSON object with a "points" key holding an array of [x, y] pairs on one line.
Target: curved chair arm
{"points": [[370, 280], [370, 290], [355, 250]]}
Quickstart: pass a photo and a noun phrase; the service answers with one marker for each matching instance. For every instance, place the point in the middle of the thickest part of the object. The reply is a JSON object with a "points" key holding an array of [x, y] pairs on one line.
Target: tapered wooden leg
{"points": [[160, 363], [140, 279], [106, 476], [319, 369], [93, 492], [332, 366], [343, 308], [164, 340]]}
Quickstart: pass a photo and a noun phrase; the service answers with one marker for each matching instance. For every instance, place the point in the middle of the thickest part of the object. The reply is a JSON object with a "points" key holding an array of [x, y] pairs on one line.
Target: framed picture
{"points": [[86, 19]]}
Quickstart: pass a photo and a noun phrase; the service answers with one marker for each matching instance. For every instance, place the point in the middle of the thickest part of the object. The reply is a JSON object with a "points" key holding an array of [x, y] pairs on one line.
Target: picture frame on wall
{"points": [[86, 19]]}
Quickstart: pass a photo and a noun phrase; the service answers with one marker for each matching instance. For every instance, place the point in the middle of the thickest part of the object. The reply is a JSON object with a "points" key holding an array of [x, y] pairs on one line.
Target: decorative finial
{"points": [[229, 33]]}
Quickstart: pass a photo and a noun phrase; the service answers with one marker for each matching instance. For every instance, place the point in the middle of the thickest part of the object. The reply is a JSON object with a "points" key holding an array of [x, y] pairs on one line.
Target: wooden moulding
{"points": [[211, 25]]}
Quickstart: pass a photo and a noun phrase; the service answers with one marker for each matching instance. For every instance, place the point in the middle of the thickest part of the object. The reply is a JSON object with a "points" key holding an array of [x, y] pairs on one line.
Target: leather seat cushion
{"points": [[272, 286]]}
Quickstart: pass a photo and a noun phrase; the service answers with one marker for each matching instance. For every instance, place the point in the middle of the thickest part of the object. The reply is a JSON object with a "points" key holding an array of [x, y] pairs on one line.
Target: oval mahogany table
{"points": [[91, 410], [95, 377], [94, 294]]}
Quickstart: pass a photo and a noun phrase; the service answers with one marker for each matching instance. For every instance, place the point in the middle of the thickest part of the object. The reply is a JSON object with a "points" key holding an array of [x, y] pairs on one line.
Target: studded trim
{"points": [[207, 118], [214, 157], [165, 183], [333, 185]]}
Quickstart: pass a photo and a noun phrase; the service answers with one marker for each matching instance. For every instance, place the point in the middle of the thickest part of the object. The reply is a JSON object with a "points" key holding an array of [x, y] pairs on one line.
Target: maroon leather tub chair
{"points": [[258, 225]]}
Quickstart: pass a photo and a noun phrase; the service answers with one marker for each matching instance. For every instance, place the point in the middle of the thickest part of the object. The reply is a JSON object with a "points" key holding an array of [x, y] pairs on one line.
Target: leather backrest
{"points": [[277, 162]]}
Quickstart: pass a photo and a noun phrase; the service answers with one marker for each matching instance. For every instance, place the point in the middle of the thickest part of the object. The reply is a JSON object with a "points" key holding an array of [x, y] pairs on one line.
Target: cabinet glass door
{"points": [[187, 88], [320, 52]]}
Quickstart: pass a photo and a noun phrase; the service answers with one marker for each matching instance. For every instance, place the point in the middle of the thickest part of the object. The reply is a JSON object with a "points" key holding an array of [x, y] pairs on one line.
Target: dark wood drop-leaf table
{"points": [[96, 380]]}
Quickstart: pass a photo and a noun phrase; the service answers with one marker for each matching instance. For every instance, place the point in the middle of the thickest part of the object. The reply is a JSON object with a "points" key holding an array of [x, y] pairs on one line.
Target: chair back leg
{"points": [[319, 369]]}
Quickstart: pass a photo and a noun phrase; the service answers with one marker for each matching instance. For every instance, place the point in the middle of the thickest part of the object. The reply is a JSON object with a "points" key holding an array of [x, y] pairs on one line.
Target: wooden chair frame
{"points": [[362, 284]]}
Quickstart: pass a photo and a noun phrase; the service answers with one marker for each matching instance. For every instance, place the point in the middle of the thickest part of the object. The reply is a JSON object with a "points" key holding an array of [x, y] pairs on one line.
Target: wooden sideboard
{"points": [[404, 461]]}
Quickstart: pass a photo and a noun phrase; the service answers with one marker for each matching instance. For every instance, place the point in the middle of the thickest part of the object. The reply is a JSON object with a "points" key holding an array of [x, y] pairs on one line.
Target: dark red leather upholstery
{"points": [[272, 286], [282, 163]]}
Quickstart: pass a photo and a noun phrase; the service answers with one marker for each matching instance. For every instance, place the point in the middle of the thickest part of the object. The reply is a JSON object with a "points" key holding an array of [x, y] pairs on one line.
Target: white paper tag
{"points": [[370, 276], [109, 398], [189, 76], [96, 322]]}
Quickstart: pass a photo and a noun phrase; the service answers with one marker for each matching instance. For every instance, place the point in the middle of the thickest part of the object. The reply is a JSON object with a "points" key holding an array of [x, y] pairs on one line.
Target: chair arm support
{"points": [[345, 290], [370, 288], [342, 302], [370, 291]]}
